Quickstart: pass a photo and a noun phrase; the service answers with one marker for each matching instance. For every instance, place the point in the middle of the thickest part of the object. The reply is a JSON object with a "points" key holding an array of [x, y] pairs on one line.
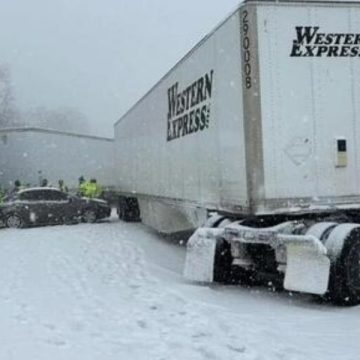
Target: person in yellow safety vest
{"points": [[62, 186], [82, 186], [99, 190], [92, 189]]}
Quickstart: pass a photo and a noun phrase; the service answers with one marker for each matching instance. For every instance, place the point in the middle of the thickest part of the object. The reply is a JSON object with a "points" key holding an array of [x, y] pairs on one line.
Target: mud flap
{"points": [[307, 270], [200, 255]]}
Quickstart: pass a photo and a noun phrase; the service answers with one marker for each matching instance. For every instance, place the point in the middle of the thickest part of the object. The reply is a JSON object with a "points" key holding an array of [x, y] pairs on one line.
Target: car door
{"points": [[73, 208], [56, 203], [33, 206]]}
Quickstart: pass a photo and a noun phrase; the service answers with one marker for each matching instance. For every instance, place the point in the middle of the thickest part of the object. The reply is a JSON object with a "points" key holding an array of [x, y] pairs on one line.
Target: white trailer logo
{"points": [[311, 42], [189, 109]]}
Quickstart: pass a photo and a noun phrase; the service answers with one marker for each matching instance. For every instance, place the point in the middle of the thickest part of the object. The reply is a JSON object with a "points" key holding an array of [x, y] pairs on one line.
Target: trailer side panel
{"points": [[185, 139]]}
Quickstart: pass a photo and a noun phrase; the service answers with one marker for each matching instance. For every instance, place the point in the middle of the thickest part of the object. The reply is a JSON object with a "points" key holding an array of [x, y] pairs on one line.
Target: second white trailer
{"points": [[30, 154]]}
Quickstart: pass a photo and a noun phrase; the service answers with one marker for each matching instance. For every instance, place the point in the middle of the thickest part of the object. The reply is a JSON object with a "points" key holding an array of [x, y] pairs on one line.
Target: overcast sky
{"points": [[98, 56]]}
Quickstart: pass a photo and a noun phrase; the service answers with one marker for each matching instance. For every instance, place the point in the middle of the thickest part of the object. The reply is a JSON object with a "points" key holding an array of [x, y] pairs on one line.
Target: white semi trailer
{"points": [[259, 124], [30, 154]]}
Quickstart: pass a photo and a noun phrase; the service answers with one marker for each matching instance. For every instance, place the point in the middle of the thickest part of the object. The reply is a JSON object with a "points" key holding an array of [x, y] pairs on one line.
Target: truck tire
{"points": [[225, 272], [222, 262], [344, 282]]}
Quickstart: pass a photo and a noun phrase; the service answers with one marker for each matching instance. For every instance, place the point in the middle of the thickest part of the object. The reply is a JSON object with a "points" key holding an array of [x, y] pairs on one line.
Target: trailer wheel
{"points": [[128, 209], [344, 283]]}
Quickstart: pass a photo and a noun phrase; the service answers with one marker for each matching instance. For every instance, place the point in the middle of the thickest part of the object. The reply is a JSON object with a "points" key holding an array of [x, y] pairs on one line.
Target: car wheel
{"points": [[69, 221], [89, 216], [222, 262], [14, 221]]}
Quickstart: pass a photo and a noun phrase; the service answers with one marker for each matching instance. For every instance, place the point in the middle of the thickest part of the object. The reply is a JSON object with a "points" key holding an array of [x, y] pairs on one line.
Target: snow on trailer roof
{"points": [[52, 131]]}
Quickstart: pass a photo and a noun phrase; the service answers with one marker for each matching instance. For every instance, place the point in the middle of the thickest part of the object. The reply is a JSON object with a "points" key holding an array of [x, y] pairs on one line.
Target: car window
{"points": [[30, 196], [55, 195], [43, 195]]}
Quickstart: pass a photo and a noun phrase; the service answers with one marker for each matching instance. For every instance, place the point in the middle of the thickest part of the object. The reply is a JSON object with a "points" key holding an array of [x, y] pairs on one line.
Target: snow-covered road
{"points": [[115, 291]]}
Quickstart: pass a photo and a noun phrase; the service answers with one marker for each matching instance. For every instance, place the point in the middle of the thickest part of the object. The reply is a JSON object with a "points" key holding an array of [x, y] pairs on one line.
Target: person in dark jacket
{"points": [[82, 186], [17, 187], [62, 186]]}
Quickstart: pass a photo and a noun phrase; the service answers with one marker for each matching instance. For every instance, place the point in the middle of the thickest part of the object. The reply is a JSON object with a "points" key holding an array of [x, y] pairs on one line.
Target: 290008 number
{"points": [[246, 49]]}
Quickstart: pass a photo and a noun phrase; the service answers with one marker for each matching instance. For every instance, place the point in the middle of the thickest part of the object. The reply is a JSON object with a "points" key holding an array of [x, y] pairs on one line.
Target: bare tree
{"points": [[7, 107]]}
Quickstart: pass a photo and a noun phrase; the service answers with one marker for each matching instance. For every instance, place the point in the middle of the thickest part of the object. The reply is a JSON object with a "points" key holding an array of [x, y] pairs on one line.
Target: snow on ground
{"points": [[114, 291]]}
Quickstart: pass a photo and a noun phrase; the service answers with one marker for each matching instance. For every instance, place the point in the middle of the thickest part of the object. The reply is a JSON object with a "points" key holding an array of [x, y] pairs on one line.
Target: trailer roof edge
{"points": [[52, 131]]}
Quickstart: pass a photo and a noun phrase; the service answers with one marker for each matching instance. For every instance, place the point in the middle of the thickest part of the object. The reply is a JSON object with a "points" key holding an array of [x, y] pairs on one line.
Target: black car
{"points": [[47, 206]]}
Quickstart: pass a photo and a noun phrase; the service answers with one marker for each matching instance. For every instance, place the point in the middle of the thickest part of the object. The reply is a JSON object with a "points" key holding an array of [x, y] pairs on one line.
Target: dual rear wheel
{"points": [[343, 250], [344, 283]]}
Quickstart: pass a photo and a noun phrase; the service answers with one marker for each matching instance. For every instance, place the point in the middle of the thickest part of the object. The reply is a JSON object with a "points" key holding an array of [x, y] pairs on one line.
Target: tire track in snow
{"points": [[174, 320], [156, 320]]}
